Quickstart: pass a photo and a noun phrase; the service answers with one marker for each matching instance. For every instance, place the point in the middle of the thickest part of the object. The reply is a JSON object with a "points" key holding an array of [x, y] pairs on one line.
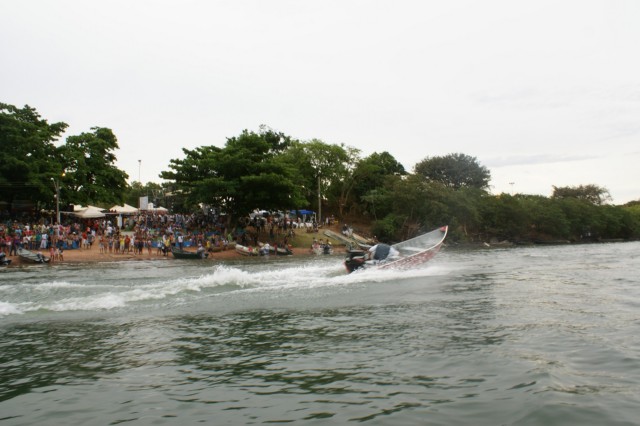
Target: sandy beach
{"points": [[94, 255]]}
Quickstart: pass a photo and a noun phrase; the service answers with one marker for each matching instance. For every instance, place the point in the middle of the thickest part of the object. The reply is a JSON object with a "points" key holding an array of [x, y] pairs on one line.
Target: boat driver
{"points": [[381, 252]]}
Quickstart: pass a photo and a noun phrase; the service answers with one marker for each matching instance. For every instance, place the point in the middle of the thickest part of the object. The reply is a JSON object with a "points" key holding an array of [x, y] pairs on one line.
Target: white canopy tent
{"points": [[155, 209], [124, 209], [90, 212]]}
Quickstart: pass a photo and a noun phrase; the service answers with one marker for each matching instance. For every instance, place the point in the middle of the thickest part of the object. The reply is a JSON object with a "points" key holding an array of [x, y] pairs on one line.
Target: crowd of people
{"points": [[141, 232], [134, 234]]}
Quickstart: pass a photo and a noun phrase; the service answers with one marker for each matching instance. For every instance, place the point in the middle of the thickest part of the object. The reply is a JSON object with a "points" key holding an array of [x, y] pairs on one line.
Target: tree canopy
{"points": [[273, 171], [28, 159], [323, 169], [90, 174], [454, 171], [247, 173], [592, 193], [32, 166]]}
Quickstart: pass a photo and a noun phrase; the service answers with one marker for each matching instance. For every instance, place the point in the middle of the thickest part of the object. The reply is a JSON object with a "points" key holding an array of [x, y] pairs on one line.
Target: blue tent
{"points": [[302, 212]]}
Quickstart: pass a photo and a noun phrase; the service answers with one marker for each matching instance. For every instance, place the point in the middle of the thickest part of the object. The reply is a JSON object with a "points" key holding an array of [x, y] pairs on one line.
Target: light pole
{"points": [[57, 187], [319, 218]]}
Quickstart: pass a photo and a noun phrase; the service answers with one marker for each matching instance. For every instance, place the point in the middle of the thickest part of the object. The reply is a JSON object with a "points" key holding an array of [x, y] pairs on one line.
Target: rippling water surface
{"points": [[539, 335]]}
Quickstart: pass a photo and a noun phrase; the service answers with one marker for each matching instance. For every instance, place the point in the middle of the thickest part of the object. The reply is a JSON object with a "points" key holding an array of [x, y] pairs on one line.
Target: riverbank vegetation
{"points": [[270, 170]]}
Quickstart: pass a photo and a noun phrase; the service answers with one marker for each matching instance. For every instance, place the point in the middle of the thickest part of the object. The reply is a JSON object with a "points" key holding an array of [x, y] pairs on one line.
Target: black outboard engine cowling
{"points": [[355, 260]]}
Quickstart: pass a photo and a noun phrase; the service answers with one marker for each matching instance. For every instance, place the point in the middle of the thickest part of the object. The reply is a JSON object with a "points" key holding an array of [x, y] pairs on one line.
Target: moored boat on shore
{"points": [[183, 254], [32, 257], [268, 249], [3, 260], [246, 251]]}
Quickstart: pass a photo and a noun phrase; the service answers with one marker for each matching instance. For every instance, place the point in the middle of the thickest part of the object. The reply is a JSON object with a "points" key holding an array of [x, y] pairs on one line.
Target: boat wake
{"points": [[95, 291]]}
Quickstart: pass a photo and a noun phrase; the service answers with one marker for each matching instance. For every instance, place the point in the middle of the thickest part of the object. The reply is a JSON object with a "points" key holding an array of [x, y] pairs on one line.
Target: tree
{"points": [[370, 175], [249, 172], [548, 220], [155, 191], [403, 207], [454, 171], [27, 155], [342, 185], [197, 178], [592, 193], [504, 217], [582, 216], [324, 168], [463, 207], [372, 171], [90, 174]]}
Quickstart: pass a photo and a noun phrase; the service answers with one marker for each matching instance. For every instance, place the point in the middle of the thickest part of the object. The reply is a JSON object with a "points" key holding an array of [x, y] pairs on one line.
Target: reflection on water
{"points": [[39, 355]]}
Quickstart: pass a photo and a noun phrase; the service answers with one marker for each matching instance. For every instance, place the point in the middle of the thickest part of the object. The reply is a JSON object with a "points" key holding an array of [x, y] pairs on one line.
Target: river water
{"points": [[526, 336]]}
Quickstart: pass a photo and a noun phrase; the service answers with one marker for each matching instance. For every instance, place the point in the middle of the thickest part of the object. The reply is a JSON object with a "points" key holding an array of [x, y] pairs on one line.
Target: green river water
{"points": [[522, 336]]}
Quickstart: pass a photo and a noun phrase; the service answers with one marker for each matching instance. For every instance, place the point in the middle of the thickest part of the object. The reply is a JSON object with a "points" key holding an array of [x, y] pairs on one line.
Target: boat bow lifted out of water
{"points": [[407, 254]]}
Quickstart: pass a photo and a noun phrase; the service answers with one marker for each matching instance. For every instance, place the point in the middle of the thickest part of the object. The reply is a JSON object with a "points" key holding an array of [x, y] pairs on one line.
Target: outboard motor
{"points": [[355, 260]]}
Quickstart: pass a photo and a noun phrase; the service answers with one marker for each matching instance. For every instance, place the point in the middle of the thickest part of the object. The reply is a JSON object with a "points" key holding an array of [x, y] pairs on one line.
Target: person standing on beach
{"points": [[7, 244], [132, 244], [12, 244]]}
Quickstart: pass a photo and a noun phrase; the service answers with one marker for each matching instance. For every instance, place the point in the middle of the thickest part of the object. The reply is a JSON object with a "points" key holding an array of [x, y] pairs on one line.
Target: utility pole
{"points": [[56, 185], [319, 204]]}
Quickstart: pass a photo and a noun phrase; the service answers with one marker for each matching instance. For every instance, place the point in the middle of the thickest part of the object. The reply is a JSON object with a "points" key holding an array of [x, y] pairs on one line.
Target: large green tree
{"points": [[405, 206], [197, 178], [249, 172], [323, 168], [454, 171], [28, 160], [90, 174], [371, 172]]}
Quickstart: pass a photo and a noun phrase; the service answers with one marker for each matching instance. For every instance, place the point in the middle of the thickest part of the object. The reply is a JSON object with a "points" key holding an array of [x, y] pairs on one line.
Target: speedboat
{"points": [[407, 254]]}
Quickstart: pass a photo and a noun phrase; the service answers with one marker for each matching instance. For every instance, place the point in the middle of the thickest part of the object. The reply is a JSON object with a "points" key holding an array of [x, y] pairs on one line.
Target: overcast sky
{"points": [[542, 93]]}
